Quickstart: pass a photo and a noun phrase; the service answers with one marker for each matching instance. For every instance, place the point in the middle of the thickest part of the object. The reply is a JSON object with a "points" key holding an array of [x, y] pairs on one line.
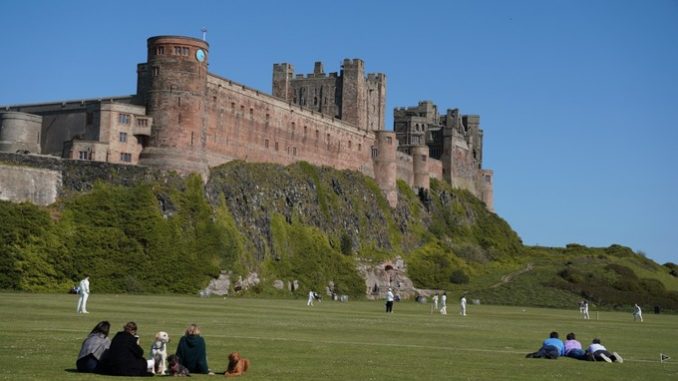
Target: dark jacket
{"points": [[192, 353], [124, 357]]}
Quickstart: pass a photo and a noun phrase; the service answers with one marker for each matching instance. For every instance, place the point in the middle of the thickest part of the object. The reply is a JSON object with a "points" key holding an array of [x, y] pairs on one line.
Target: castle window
{"points": [[142, 122], [185, 51], [126, 157], [317, 134], [349, 144], [83, 155], [251, 112], [375, 152], [177, 50], [89, 117], [360, 147], [123, 118], [276, 146], [423, 157], [123, 137], [266, 143], [305, 128], [159, 50], [294, 151], [156, 71], [389, 140]]}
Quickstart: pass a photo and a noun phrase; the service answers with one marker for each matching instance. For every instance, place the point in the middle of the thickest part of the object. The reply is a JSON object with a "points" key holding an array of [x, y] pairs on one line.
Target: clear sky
{"points": [[578, 99]]}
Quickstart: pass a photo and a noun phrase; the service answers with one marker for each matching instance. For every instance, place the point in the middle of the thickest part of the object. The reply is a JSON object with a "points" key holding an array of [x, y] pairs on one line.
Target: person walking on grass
{"points": [[462, 305], [83, 291], [435, 302], [637, 313], [443, 303], [389, 301]]}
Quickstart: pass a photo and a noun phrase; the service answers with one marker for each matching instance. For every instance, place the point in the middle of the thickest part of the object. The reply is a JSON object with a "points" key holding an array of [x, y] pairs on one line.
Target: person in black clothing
{"points": [[125, 357]]}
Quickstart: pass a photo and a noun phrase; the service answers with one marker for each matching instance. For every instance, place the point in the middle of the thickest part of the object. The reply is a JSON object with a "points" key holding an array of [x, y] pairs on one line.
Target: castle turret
{"points": [[385, 166], [174, 83], [20, 132], [354, 93], [420, 167], [282, 76]]}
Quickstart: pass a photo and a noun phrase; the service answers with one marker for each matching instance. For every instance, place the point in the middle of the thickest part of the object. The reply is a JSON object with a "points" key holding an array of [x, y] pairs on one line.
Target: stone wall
{"points": [[46, 178]]}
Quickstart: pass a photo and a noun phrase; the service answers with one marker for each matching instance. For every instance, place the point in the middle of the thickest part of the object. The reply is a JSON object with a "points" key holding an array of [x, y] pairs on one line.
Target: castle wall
{"points": [[246, 124], [435, 168], [20, 184]]}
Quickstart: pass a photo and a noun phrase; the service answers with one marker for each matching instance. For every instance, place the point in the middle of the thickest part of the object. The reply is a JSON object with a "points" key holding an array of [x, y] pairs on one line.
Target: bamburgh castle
{"points": [[185, 119]]}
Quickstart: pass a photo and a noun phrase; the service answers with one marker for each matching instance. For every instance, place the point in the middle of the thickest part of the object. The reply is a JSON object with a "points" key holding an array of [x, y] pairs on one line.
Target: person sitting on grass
{"points": [[573, 348], [93, 347], [598, 352], [192, 351], [551, 348]]}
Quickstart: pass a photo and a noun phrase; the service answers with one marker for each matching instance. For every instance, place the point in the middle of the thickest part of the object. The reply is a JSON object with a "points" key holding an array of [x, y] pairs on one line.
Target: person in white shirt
{"points": [[443, 304], [637, 313], [435, 302], [585, 310], [598, 352], [462, 305], [311, 296], [389, 301], [84, 295]]}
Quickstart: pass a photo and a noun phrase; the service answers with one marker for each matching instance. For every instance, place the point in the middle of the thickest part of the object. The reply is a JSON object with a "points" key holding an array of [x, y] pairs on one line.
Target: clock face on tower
{"points": [[200, 55]]}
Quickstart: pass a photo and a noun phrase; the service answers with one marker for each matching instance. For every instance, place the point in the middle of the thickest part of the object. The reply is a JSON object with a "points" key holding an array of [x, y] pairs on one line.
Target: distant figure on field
{"points": [[462, 305], [389, 300], [598, 352], [551, 348], [83, 291], [581, 307], [637, 313], [585, 310], [573, 348], [93, 347], [435, 302], [443, 303], [192, 351], [311, 296], [125, 357]]}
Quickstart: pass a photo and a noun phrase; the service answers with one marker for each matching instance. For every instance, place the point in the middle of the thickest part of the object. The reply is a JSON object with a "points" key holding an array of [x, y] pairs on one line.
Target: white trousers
{"points": [[82, 302]]}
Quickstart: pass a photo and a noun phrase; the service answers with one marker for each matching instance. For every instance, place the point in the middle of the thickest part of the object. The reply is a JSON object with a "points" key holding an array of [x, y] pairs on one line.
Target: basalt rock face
{"points": [[339, 203]]}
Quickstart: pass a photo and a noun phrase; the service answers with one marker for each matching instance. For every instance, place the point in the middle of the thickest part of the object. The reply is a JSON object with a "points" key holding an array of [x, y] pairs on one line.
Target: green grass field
{"points": [[40, 336]]}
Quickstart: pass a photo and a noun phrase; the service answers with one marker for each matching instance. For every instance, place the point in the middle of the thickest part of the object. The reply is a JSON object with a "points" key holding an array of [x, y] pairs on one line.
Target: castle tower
{"points": [[282, 76], [376, 101], [420, 163], [173, 85], [354, 93], [20, 131], [385, 166]]}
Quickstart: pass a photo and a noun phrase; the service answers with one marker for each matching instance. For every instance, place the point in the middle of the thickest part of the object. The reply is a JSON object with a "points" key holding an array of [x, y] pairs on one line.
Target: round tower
{"points": [[385, 166], [20, 132], [422, 179], [176, 85]]}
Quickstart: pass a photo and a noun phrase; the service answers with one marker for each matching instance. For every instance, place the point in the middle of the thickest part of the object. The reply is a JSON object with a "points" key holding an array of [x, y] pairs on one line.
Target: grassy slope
{"points": [[285, 340]]}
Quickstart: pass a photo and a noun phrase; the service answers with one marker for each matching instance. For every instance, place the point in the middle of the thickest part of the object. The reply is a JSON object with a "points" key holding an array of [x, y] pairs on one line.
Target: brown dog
{"points": [[236, 365]]}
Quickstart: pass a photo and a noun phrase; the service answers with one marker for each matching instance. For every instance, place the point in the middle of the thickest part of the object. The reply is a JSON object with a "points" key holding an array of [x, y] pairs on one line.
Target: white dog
{"points": [[159, 352]]}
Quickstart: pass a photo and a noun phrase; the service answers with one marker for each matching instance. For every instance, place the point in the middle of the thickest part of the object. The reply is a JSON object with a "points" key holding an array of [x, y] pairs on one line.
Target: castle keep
{"points": [[185, 119]]}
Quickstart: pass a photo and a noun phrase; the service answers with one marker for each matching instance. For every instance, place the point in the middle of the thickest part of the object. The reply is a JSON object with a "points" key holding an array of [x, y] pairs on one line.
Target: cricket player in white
{"points": [[462, 306], [84, 294]]}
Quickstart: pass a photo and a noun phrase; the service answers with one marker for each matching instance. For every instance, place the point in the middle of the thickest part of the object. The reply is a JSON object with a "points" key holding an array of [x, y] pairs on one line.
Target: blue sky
{"points": [[578, 99]]}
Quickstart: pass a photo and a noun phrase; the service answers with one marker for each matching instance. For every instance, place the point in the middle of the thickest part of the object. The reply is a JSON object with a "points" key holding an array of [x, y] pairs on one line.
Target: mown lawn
{"points": [[40, 336]]}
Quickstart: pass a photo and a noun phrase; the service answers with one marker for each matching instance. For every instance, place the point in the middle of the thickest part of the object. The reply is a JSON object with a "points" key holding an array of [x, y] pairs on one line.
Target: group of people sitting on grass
{"points": [[553, 347], [123, 356]]}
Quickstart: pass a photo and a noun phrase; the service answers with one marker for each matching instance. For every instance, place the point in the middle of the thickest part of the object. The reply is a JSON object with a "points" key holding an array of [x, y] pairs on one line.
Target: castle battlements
{"points": [[185, 119]]}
